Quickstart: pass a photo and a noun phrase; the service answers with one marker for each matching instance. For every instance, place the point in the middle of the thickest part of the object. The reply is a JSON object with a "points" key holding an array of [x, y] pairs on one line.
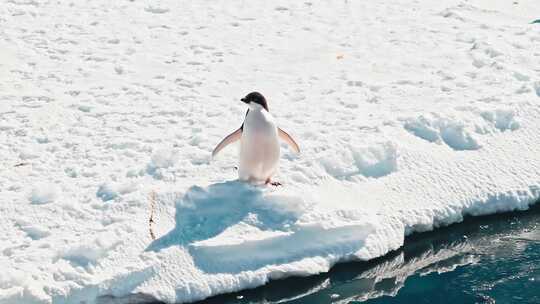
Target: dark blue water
{"points": [[492, 259]]}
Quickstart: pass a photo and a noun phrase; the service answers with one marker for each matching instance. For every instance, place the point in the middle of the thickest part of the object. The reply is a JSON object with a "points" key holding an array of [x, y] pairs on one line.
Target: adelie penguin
{"points": [[259, 142]]}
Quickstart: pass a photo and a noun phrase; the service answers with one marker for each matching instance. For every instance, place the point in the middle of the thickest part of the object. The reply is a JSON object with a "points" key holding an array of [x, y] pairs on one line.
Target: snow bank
{"points": [[410, 117]]}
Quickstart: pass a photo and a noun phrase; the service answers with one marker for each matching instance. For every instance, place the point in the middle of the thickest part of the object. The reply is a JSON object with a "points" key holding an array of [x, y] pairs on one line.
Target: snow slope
{"points": [[410, 115]]}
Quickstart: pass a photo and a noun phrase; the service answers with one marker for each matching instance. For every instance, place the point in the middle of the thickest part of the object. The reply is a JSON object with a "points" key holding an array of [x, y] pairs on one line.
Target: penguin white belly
{"points": [[259, 149]]}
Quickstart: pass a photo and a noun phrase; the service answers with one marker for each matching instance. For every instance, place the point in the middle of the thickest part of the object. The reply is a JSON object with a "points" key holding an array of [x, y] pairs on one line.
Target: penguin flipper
{"points": [[231, 138], [289, 140]]}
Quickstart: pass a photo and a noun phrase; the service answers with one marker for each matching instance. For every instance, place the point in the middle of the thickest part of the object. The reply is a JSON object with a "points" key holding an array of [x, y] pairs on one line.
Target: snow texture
{"points": [[410, 116]]}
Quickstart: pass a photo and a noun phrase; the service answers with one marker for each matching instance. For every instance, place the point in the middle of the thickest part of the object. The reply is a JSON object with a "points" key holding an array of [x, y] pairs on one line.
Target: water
{"points": [[492, 259]]}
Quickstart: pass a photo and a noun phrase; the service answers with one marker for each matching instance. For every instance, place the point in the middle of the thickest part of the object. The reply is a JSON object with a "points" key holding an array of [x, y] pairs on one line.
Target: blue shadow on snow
{"points": [[203, 213]]}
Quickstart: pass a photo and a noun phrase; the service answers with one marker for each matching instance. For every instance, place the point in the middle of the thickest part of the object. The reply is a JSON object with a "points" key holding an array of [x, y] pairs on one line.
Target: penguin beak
{"points": [[244, 100]]}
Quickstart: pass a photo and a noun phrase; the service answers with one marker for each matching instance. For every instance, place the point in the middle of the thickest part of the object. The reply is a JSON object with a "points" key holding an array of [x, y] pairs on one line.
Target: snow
{"points": [[44, 193], [410, 116], [109, 191]]}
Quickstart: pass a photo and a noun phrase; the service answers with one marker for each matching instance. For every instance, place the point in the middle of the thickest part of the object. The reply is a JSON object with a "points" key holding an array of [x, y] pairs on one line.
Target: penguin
{"points": [[259, 142]]}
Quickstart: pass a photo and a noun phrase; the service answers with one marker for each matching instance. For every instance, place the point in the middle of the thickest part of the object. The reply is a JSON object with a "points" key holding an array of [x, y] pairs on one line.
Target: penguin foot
{"points": [[275, 184]]}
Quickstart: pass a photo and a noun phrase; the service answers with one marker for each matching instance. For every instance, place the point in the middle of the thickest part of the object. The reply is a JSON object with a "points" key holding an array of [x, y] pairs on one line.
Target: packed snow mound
{"points": [[410, 116], [451, 132], [462, 128], [377, 160]]}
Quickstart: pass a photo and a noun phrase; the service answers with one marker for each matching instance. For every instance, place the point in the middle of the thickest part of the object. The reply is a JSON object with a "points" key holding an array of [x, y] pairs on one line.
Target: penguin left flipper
{"points": [[289, 140], [231, 138]]}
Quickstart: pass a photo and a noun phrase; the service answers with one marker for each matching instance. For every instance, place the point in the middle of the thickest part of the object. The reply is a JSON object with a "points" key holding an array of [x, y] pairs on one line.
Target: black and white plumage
{"points": [[259, 137]]}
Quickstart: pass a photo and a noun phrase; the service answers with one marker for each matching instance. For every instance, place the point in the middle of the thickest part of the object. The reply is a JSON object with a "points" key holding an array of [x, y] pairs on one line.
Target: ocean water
{"points": [[490, 259]]}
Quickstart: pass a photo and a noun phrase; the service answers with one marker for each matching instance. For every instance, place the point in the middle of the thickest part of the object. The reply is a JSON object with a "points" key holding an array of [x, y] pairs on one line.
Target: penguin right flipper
{"points": [[231, 138], [289, 140]]}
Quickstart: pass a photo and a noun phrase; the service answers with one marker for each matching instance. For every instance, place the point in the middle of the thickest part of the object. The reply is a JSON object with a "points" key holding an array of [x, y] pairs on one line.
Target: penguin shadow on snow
{"points": [[205, 213]]}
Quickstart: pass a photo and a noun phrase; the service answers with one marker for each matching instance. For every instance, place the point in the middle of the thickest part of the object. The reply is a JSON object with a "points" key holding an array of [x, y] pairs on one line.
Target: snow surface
{"points": [[410, 115]]}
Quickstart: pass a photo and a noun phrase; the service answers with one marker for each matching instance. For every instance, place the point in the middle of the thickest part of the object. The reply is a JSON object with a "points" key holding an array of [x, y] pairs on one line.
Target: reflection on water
{"points": [[482, 260]]}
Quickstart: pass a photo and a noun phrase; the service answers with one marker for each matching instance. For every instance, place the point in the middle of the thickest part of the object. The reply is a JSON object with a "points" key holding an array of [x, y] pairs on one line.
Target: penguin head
{"points": [[256, 97]]}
